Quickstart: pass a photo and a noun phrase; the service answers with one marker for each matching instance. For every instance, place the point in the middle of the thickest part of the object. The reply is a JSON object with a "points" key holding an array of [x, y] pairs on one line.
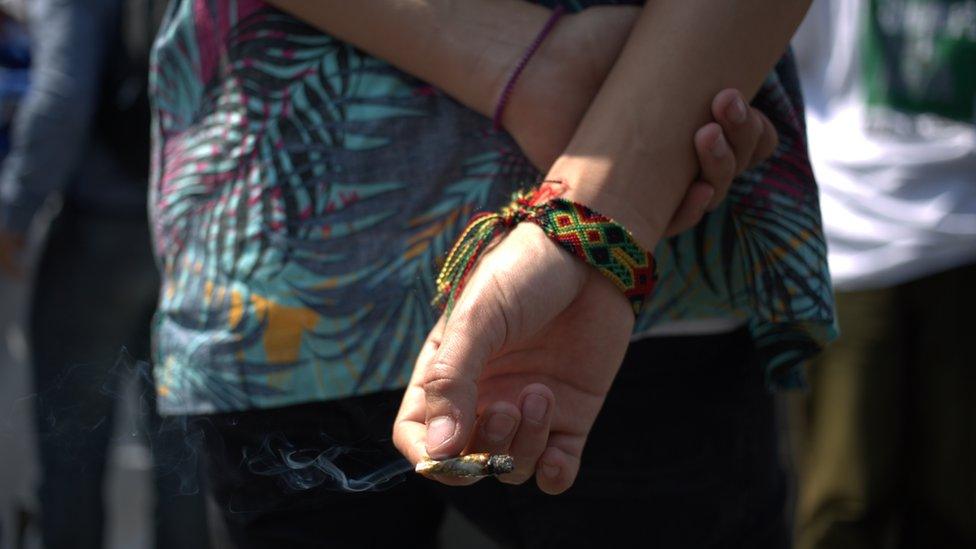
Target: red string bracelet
{"points": [[510, 85]]}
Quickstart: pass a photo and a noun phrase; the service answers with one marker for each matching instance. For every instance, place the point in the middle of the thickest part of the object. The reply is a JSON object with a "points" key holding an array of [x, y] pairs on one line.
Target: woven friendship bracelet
{"points": [[594, 238]]}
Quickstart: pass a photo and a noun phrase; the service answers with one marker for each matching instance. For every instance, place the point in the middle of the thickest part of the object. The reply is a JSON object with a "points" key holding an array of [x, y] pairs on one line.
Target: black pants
{"points": [[684, 454], [93, 300]]}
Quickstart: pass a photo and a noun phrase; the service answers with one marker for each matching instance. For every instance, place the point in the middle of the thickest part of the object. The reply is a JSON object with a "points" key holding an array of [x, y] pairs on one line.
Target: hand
{"points": [[12, 247], [528, 355], [526, 360], [564, 76], [740, 138], [523, 364]]}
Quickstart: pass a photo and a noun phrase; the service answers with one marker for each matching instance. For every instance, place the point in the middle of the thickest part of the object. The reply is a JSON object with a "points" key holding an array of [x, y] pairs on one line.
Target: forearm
{"points": [[467, 49], [680, 53]]}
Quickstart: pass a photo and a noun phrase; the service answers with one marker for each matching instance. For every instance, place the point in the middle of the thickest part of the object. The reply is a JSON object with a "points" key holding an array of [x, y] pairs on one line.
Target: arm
{"points": [[468, 50], [679, 55], [52, 128], [537, 335], [465, 48]]}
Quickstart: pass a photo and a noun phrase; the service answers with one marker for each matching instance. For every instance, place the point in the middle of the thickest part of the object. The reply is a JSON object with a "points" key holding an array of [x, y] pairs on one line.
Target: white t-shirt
{"points": [[892, 137]]}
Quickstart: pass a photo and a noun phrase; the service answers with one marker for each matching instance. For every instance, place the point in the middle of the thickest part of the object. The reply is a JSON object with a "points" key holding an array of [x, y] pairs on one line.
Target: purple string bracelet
{"points": [[510, 85]]}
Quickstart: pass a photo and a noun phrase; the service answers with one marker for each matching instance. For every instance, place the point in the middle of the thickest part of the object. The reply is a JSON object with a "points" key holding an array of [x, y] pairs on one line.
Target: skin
{"points": [[525, 361], [468, 49], [535, 325], [551, 96], [518, 368]]}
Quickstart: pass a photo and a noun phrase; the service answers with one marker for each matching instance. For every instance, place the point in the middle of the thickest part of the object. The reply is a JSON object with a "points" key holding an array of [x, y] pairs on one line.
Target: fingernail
{"points": [[534, 407], [550, 471], [499, 427], [720, 147], [439, 430], [737, 111]]}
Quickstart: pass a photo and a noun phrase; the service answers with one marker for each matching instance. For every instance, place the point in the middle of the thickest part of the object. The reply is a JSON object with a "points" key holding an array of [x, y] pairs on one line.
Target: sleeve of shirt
{"points": [[53, 125]]}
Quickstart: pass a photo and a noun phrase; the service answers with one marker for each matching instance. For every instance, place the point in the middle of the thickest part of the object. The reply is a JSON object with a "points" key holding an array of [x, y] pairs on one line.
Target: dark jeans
{"points": [[94, 296], [684, 454]]}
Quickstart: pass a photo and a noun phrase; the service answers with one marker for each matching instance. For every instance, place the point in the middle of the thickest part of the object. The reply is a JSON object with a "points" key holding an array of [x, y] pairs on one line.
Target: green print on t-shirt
{"points": [[920, 56]]}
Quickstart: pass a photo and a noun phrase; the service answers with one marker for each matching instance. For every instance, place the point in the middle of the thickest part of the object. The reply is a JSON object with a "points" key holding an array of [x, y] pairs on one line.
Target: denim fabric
{"points": [[94, 296], [54, 147]]}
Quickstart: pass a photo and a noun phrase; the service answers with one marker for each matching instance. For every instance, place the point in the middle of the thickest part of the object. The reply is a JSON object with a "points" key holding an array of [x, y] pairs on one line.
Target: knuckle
{"points": [[482, 321], [440, 377]]}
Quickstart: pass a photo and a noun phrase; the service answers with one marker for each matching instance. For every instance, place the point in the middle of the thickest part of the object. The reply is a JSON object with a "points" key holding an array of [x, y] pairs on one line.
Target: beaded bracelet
{"points": [[594, 238]]}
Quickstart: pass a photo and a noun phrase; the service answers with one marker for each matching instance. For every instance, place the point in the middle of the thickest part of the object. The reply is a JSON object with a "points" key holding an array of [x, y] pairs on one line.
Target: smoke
{"points": [[304, 469], [77, 414]]}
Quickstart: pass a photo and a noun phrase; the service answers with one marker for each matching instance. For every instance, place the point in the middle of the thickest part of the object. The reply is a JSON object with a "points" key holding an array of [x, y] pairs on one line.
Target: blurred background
{"points": [[881, 449]]}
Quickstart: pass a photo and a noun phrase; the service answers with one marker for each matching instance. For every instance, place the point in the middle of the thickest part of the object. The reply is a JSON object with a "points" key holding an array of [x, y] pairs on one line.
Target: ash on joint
{"points": [[469, 466]]}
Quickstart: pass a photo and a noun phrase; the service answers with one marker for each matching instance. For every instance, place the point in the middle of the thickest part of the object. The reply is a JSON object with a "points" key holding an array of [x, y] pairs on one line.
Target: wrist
{"points": [[589, 181], [495, 35], [592, 237], [573, 58]]}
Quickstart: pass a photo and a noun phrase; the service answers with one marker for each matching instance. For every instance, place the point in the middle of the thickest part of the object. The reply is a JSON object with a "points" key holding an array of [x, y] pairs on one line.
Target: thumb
{"points": [[450, 379]]}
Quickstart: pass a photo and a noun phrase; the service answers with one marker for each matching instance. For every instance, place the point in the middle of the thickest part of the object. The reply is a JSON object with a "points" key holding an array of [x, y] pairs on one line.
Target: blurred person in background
{"points": [[888, 441], [83, 133], [14, 73], [14, 77]]}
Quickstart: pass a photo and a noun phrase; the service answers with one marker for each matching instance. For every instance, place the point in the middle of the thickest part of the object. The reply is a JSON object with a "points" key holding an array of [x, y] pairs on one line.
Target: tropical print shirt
{"points": [[303, 192]]}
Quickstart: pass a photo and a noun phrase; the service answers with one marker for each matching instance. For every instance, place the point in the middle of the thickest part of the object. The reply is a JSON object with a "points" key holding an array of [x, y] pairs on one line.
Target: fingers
{"points": [[768, 141], [741, 124], [560, 464], [741, 127], [493, 434], [750, 134], [449, 380], [536, 404], [409, 429], [717, 168], [717, 165], [741, 137], [522, 432], [717, 161], [496, 429]]}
